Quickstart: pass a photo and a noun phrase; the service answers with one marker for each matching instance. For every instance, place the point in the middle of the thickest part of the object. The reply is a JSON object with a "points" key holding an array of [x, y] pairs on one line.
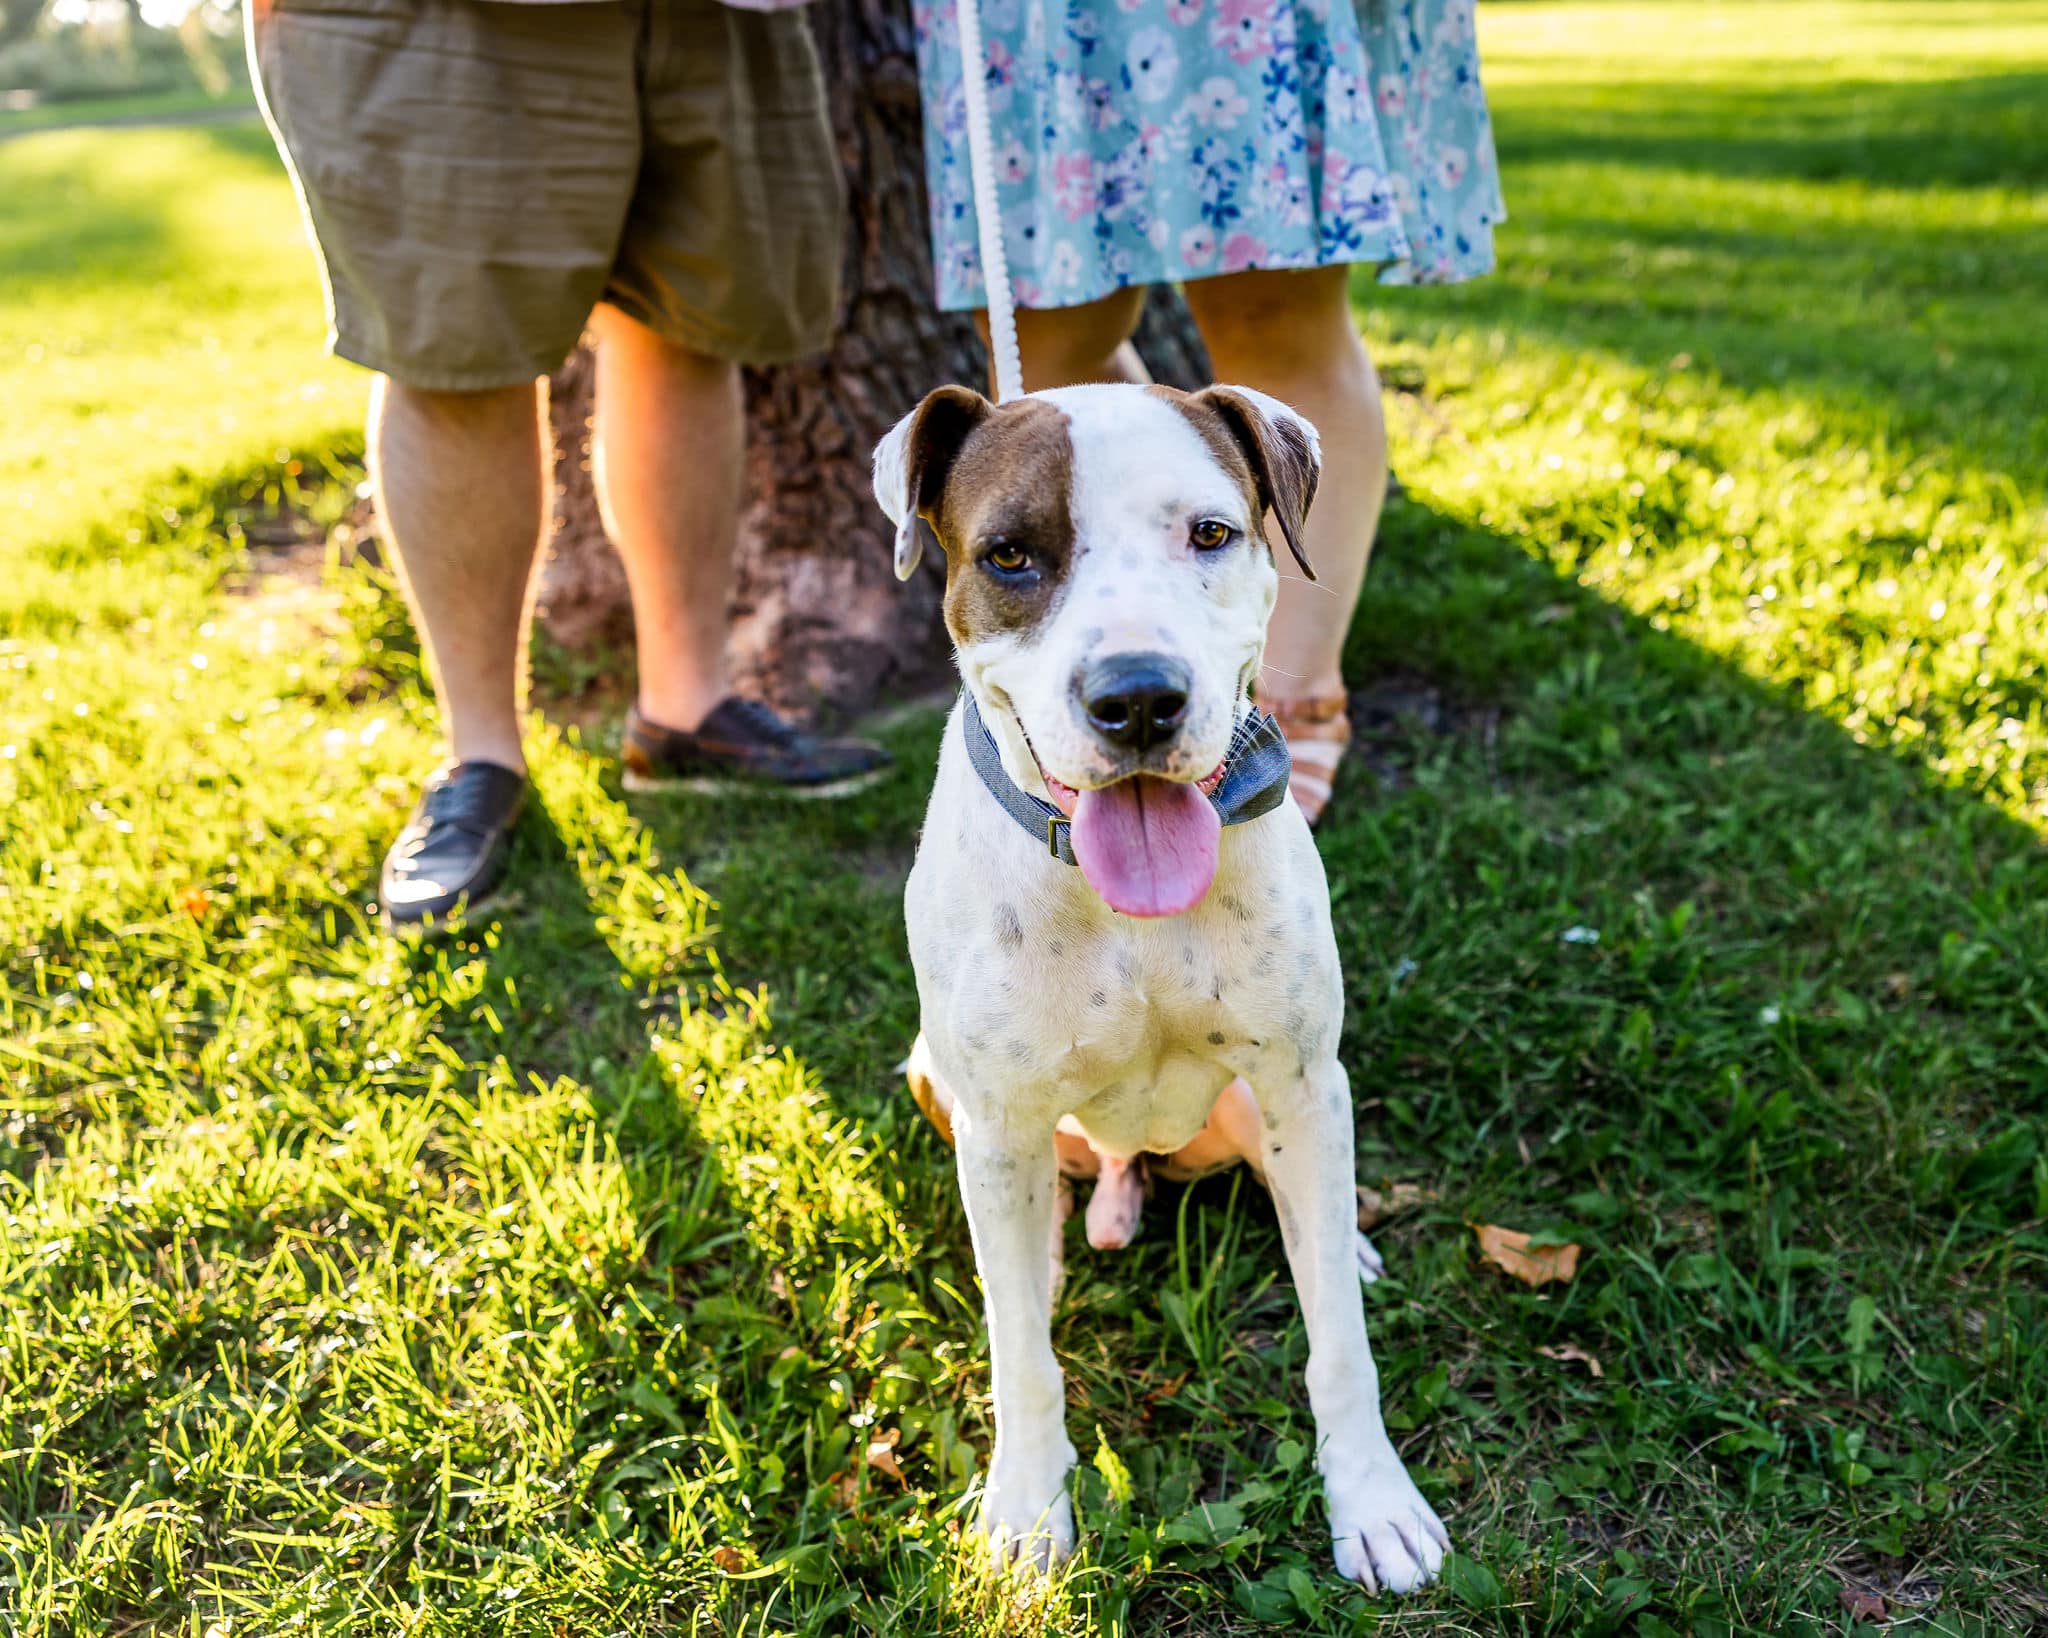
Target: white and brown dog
{"points": [[1108, 584]]}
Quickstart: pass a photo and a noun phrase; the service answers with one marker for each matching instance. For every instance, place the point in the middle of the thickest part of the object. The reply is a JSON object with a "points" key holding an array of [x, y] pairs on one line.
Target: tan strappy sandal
{"points": [[1318, 731]]}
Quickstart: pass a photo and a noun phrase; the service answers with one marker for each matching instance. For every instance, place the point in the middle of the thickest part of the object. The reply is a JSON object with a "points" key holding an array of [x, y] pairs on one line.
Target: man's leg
{"points": [[444, 275], [461, 494], [666, 452]]}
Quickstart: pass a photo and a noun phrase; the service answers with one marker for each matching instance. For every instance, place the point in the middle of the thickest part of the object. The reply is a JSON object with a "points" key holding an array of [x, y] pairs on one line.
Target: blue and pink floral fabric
{"points": [[1139, 141]]}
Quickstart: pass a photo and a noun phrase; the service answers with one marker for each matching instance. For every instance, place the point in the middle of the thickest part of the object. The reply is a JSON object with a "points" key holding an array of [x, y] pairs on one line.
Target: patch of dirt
{"points": [[1399, 718], [284, 599], [284, 543], [1900, 1584], [288, 593]]}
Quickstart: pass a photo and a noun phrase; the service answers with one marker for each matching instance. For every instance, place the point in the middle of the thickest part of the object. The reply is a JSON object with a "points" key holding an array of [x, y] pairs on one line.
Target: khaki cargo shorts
{"points": [[478, 175]]}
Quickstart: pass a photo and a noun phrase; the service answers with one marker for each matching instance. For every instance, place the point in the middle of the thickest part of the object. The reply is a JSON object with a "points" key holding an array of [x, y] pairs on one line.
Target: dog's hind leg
{"points": [[1114, 1206], [1232, 1135], [931, 1093]]}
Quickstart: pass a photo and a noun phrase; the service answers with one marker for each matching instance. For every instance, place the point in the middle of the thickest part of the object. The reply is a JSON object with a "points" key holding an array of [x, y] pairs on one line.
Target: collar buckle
{"points": [[1053, 821]]}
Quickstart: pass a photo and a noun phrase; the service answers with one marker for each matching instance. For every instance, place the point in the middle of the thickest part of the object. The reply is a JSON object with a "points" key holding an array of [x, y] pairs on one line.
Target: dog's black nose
{"points": [[1136, 701]]}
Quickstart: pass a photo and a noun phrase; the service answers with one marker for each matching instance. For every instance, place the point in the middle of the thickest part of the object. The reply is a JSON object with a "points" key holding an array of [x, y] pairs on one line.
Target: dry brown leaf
{"points": [[845, 1488], [729, 1559], [1509, 1250], [1166, 1390], [1565, 1352], [1859, 1605], [882, 1454], [1377, 1205]]}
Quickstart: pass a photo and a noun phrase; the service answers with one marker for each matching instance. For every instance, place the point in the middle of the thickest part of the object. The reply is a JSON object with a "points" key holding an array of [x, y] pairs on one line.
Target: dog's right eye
{"points": [[1005, 558]]}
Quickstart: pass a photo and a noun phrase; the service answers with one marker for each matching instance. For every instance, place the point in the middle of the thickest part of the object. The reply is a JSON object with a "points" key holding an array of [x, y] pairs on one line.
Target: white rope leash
{"points": [[981, 166]]}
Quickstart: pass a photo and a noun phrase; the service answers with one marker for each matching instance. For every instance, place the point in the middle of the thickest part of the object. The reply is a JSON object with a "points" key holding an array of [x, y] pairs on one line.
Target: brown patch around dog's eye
{"points": [[1005, 520]]}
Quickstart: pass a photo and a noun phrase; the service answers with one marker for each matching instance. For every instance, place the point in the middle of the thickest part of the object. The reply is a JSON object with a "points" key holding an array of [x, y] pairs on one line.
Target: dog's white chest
{"points": [[1036, 998]]}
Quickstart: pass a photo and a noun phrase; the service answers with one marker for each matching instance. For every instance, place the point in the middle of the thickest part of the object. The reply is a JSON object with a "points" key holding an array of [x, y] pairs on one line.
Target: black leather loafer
{"points": [[453, 847]]}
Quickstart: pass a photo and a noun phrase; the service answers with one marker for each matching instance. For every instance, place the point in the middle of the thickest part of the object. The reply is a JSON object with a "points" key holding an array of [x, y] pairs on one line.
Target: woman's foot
{"points": [[1318, 732]]}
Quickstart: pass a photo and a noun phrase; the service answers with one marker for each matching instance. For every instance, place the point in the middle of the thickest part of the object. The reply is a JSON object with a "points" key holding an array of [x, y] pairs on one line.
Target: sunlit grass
{"points": [[161, 314]]}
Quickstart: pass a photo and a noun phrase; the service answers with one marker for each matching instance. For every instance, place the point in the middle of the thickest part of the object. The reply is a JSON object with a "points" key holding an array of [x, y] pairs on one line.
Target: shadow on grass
{"points": [[762, 1304], [1789, 1060], [1620, 759]]}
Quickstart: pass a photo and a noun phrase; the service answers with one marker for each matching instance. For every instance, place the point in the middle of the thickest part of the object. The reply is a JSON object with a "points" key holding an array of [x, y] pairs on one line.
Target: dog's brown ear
{"points": [[1285, 454], [912, 461]]}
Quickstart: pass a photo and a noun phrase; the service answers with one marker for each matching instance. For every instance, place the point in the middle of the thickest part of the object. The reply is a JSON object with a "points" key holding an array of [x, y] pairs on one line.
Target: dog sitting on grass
{"points": [[1118, 918]]}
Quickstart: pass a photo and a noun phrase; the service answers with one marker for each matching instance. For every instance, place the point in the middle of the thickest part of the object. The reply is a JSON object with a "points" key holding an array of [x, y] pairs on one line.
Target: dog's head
{"points": [[1108, 583]]}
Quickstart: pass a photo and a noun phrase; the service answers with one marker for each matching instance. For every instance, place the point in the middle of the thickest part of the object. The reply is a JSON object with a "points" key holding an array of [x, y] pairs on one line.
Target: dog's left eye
{"points": [[1005, 558], [1210, 534]]}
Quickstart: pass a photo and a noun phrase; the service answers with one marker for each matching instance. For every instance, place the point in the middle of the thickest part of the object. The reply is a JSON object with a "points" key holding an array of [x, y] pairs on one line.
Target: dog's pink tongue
{"points": [[1148, 846]]}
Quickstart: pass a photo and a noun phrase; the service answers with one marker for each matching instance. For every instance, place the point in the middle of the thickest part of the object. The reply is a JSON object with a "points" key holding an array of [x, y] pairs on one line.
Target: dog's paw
{"points": [[1371, 1265], [1386, 1536], [1040, 1537]]}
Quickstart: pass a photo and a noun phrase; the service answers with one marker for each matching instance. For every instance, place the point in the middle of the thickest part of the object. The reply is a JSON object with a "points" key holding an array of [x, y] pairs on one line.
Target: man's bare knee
{"points": [[620, 335], [458, 411]]}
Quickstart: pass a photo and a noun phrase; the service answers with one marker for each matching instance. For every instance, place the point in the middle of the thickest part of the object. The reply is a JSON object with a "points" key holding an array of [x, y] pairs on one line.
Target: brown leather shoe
{"points": [[743, 745]]}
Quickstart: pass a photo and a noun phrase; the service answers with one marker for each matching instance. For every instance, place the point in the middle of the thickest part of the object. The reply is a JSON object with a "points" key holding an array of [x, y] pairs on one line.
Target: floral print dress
{"points": [[1140, 141]]}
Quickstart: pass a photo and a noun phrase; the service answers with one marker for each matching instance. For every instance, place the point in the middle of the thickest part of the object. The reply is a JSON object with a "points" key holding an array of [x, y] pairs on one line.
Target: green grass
{"points": [[555, 1279], [134, 107]]}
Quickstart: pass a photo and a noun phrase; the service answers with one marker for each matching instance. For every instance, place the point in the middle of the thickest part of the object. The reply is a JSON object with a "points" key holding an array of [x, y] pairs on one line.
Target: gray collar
{"points": [[1254, 778]]}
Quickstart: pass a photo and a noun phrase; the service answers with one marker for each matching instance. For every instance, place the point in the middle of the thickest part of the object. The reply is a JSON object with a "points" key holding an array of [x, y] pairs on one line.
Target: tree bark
{"points": [[820, 624]]}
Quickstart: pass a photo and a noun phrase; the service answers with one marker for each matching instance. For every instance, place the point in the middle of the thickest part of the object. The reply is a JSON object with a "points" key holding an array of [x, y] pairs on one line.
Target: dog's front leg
{"points": [[1385, 1534], [1009, 1178]]}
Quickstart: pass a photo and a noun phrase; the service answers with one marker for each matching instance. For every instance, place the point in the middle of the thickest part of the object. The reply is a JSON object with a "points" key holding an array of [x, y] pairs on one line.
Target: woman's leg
{"points": [[1291, 334], [1064, 346]]}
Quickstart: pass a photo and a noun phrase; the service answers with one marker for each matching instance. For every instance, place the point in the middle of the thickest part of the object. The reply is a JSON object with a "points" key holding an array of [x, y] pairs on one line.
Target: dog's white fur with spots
{"points": [[1083, 528]]}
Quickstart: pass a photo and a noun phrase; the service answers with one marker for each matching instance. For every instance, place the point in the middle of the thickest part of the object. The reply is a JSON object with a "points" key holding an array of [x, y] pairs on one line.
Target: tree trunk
{"points": [[820, 622]]}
